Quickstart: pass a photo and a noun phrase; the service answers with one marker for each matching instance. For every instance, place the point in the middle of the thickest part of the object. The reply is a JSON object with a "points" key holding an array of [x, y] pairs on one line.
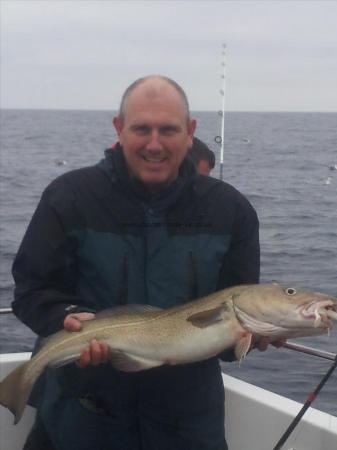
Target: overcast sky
{"points": [[281, 55]]}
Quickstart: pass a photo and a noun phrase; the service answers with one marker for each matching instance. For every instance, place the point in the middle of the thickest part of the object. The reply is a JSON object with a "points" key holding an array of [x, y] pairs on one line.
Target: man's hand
{"points": [[97, 352], [262, 343]]}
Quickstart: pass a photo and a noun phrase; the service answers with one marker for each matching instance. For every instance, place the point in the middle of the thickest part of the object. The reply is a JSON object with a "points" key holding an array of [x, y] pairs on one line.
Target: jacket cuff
{"points": [[59, 313]]}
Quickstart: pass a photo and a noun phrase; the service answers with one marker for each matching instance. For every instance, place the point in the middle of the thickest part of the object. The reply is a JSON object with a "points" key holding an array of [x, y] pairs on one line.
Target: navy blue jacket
{"points": [[98, 239]]}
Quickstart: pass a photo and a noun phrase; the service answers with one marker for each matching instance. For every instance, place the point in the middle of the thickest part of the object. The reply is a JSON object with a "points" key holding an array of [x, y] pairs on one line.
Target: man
{"points": [[202, 156], [140, 227]]}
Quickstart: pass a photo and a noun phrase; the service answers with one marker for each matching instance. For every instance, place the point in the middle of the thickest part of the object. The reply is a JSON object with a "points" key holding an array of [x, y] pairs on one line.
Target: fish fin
{"points": [[15, 391], [127, 309], [242, 346], [209, 317], [127, 362]]}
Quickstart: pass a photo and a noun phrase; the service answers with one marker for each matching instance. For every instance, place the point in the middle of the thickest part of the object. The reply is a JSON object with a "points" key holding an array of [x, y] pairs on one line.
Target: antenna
{"points": [[222, 112]]}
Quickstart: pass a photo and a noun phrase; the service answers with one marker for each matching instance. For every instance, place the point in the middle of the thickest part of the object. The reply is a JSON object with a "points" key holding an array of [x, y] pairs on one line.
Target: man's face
{"points": [[204, 168], [155, 133]]}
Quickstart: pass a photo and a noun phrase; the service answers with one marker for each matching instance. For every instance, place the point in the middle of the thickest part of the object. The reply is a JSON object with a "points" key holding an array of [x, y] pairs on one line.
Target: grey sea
{"points": [[285, 163]]}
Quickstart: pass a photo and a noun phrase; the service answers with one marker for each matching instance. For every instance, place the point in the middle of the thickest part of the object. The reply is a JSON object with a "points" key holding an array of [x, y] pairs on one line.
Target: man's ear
{"points": [[118, 124], [191, 126]]}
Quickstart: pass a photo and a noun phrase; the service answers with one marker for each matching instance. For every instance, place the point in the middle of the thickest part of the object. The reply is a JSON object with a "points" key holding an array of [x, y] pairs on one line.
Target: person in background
{"points": [[141, 226], [202, 156]]}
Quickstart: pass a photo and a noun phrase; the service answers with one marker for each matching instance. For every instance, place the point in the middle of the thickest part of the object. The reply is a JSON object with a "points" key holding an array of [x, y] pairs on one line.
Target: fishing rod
{"points": [[222, 92], [220, 139], [312, 395]]}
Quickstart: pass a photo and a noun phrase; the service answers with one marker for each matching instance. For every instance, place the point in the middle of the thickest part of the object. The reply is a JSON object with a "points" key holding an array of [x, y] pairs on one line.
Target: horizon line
{"points": [[192, 111]]}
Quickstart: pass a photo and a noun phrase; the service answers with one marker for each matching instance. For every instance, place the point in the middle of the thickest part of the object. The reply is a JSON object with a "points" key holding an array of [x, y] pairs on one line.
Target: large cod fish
{"points": [[141, 337]]}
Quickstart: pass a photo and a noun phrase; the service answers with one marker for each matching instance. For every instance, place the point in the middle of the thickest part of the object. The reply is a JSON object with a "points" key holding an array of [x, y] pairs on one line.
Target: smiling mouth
{"points": [[154, 159]]}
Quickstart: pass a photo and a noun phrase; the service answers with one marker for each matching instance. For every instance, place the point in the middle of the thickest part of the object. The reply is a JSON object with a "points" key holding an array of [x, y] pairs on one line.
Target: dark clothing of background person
{"points": [[99, 239], [202, 156]]}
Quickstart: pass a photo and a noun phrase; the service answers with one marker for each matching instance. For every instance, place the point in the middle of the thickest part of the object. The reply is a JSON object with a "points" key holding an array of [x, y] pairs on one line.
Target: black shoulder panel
{"points": [[209, 206]]}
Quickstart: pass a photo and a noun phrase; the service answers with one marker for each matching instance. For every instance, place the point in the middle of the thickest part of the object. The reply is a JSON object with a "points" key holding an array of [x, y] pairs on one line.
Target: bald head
{"points": [[151, 87], [154, 130]]}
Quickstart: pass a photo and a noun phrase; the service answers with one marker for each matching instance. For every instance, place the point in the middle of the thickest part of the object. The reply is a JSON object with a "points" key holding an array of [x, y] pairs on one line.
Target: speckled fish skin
{"points": [[141, 337]]}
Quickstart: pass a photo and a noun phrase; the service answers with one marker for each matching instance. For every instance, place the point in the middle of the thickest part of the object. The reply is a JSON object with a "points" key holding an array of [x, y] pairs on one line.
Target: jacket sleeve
{"points": [[244, 254], [44, 268], [242, 264], [242, 261]]}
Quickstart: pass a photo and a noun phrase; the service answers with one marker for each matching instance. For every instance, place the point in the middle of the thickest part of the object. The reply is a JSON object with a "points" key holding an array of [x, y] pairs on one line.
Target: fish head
{"points": [[283, 312]]}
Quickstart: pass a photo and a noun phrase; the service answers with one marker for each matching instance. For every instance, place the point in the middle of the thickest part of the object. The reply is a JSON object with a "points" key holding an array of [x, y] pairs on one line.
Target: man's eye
{"points": [[141, 130], [168, 130]]}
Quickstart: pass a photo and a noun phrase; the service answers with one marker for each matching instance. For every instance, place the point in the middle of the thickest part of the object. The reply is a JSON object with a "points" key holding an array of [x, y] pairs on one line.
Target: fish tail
{"points": [[15, 391]]}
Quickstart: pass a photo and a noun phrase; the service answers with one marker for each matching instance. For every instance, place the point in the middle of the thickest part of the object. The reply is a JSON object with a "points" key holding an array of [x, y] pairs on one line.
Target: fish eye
{"points": [[290, 291]]}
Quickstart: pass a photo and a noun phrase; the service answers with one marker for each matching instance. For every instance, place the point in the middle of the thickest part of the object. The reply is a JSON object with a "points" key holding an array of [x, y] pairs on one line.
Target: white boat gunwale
{"points": [[255, 418]]}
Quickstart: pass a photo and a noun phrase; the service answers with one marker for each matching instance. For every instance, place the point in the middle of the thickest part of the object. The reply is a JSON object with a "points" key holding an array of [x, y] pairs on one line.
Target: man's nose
{"points": [[154, 142]]}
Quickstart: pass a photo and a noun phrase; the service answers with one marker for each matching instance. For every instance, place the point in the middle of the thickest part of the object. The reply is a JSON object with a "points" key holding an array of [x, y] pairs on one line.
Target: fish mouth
{"points": [[321, 312], [317, 314]]}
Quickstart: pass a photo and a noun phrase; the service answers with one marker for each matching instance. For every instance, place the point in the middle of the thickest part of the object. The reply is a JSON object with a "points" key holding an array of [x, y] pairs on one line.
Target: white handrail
{"points": [[310, 351], [6, 311]]}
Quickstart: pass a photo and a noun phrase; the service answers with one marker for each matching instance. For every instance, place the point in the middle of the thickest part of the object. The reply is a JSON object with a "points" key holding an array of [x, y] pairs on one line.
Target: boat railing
{"points": [[310, 351], [4, 311]]}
